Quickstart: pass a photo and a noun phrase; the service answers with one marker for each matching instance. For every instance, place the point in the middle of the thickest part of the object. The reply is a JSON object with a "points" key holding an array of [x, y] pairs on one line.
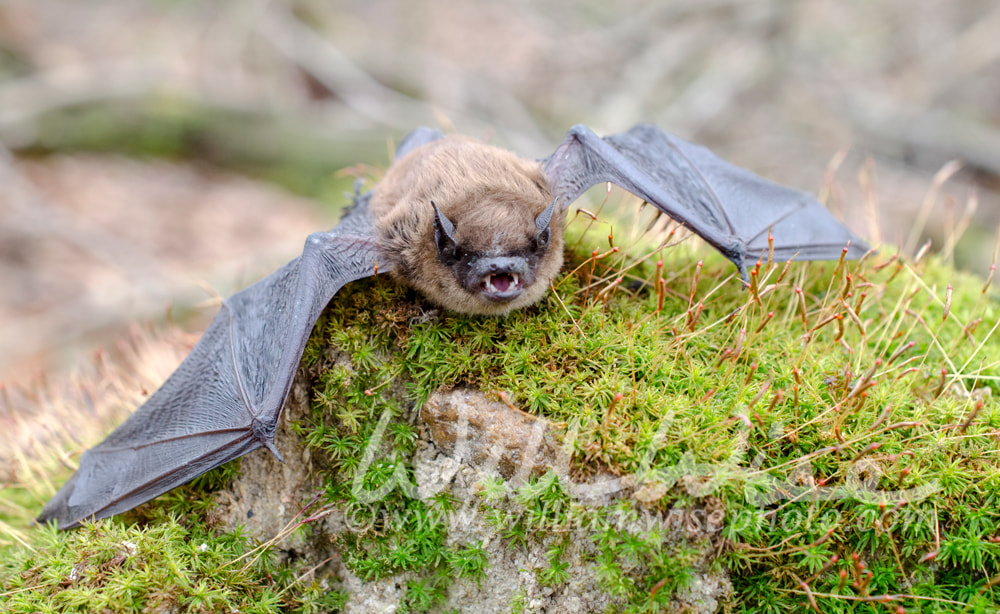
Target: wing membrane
{"points": [[225, 398], [730, 207]]}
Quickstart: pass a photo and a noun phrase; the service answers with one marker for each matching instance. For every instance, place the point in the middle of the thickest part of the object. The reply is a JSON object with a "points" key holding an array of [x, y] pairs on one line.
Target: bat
{"points": [[473, 227]]}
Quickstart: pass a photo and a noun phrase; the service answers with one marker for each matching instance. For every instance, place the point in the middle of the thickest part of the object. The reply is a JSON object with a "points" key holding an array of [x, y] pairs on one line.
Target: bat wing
{"points": [[730, 207], [419, 136], [225, 398]]}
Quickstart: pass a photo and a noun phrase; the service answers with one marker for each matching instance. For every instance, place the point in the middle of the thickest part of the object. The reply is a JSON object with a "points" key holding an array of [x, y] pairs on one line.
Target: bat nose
{"points": [[502, 264]]}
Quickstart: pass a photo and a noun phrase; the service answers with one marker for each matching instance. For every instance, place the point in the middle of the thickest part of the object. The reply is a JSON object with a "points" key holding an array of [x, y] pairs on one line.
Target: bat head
{"points": [[496, 251], [472, 227]]}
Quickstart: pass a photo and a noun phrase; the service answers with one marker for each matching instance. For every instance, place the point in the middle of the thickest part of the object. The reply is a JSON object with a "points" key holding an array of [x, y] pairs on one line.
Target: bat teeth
{"points": [[501, 285]]}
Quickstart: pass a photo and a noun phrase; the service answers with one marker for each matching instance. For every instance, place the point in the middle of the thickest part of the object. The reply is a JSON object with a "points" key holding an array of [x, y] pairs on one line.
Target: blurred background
{"points": [[156, 155]]}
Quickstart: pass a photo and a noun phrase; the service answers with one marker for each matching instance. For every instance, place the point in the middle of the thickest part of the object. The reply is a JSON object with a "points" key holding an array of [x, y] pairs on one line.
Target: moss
{"points": [[163, 557], [841, 412], [161, 566], [840, 416]]}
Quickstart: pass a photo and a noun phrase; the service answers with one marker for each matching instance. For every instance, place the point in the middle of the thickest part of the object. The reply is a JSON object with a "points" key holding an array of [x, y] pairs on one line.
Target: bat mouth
{"points": [[500, 286]]}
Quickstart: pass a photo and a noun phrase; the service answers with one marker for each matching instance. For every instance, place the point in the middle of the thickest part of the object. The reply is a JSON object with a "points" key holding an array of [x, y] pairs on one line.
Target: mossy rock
{"points": [[836, 421]]}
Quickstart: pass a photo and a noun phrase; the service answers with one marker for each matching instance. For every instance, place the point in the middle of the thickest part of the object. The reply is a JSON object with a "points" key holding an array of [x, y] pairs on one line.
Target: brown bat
{"points": [[476, 229]]}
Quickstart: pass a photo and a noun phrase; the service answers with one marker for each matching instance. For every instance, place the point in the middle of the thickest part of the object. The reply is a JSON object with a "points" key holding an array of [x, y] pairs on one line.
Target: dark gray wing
{"points": [[419, 136], [225, 398], [730, 207]]}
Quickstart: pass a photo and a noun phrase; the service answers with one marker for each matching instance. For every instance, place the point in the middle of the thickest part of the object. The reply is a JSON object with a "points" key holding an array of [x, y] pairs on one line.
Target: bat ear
{"points": [[444, 233], [543, 223]]}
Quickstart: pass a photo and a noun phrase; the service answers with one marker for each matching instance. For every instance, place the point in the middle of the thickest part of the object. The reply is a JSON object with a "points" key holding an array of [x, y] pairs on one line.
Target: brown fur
{"points": [[490, 194]]}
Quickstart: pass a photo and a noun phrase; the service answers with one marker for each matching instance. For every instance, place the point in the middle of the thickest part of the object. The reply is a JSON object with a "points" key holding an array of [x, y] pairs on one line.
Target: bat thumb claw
{"points": [[269, 444]]}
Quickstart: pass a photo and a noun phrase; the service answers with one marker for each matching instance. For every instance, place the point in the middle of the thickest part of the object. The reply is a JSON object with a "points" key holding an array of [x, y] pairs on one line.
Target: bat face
{"points": [[496, 252], [472, 227]]}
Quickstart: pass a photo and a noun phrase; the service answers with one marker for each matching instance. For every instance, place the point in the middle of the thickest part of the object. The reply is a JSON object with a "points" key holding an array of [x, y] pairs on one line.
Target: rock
{"points": [[269, 494], [471, 428]]}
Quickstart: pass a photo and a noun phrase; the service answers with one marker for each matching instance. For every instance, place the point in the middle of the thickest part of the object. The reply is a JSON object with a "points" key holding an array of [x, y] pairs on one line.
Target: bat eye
{"points": [[450, 255]]}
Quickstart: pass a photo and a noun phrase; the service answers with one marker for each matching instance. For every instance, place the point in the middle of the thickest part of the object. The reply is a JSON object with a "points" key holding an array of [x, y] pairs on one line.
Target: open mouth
{"points": [[501, 286]]}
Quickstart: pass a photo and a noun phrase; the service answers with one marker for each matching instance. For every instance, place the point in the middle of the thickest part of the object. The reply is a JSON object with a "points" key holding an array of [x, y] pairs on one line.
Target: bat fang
{"points": [[501, 286]]}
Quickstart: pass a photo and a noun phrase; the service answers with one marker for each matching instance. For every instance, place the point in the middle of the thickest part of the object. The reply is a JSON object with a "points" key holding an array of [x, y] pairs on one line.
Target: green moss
{"points": [[831, 412], [108, 566], [163, 556]]}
